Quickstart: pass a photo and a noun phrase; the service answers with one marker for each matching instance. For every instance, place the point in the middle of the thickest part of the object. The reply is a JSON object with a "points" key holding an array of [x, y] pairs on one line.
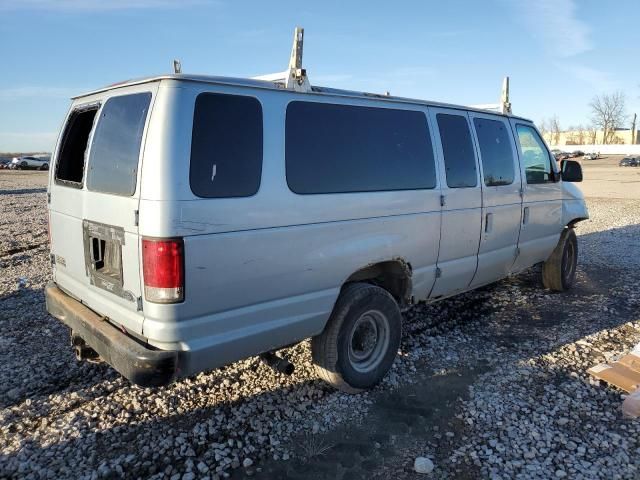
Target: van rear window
{"points": [[226, 146], [334, 148], [115, 149], [70, 164]]}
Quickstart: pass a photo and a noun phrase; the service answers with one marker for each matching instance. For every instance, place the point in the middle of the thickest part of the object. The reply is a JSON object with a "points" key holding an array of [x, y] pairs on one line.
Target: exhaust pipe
{"points": [[279, 364], [82, 350]]}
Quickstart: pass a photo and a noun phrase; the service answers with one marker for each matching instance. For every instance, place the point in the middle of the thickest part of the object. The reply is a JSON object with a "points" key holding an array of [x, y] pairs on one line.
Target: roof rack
{"points": [[295, 77], [504, 106]]}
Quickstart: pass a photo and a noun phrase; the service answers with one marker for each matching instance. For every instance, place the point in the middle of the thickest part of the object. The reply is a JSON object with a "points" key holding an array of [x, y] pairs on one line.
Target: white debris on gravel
{"points": [[533, 414], [423, 465]]}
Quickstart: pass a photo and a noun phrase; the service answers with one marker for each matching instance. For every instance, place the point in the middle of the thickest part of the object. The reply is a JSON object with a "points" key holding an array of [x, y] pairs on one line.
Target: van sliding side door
{"points": [[501, 197], [461, 201]]}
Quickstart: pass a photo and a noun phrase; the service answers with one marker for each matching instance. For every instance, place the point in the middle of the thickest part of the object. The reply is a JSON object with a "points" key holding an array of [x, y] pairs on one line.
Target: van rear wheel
{"points": [[360, 342], [559, 271]]}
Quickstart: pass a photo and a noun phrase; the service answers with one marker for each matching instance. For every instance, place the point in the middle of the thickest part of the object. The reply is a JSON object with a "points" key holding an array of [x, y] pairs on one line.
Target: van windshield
{"points": [[113, 160]]}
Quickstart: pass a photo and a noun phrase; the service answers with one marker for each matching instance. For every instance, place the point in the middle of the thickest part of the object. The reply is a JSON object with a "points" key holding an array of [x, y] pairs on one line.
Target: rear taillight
{"points": [[163, 270]]}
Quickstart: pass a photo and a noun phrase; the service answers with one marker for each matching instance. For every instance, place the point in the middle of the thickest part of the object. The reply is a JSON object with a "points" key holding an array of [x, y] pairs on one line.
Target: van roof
{"points": [[274, 85]]}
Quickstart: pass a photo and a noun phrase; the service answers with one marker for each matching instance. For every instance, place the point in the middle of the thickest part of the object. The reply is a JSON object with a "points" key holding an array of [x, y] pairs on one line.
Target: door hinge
{"points": [[136, 217], [52, 258], [442, 201], [438, 272], [517, 251], [139, 302], [48, 197], [521, 192]]}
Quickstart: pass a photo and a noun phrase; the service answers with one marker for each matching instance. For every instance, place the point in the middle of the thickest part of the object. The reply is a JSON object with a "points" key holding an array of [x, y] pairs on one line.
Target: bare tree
{"points": [[580, 134], [554, 127], [570, 135], [543, 126], [608, 113], [592, 133]]}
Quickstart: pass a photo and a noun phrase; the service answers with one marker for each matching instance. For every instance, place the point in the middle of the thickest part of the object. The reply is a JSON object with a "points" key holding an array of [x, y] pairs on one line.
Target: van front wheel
{"points": [[559, 271], [360, 341]]}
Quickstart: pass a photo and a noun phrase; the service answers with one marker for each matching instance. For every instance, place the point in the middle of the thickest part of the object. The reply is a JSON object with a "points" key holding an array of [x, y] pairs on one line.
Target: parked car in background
{"points": [[592, 156], [577, 153], [629, 162], [30, 163], [4, 163]]}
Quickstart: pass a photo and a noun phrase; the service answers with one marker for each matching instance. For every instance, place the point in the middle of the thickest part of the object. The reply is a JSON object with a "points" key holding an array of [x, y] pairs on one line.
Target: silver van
{"points": [[197, 220]]}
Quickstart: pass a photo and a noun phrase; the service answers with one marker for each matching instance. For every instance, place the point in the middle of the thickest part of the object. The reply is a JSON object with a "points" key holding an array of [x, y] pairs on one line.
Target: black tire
{"points": [[559, 271], [361, 339], [45, 167], [24, 166]]}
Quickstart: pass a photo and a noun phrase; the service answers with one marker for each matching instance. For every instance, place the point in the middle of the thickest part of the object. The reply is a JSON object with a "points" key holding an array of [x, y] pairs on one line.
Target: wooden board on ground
{"points": [[624, 374]]}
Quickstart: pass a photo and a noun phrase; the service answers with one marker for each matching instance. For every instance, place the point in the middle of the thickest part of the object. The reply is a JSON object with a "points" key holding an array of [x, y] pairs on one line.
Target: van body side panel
{"points": [[273, 287], [265, 271], [165, 169], [540, 233], [573, 206]]}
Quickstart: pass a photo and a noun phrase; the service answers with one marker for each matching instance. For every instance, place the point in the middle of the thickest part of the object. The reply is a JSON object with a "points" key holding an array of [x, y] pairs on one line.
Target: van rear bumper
{"points": [[142, 365]]}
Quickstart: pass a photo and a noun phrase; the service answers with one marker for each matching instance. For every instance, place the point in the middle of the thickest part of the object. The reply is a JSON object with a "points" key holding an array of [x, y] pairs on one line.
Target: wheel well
{"points": [[573, 222], [393, 275]]}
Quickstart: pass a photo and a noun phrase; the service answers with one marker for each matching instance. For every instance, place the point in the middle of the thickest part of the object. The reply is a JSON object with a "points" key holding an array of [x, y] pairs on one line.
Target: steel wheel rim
{"points": [[368, 341]]}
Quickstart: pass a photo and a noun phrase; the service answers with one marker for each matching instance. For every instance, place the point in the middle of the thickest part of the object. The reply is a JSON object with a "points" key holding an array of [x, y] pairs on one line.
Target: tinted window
{"points": [[495, 150], [343, 148], [226, 146], [113, 161], [536, 160], [459, 159]]}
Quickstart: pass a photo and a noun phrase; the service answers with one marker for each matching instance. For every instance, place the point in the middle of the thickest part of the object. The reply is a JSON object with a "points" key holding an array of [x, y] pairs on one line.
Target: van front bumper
{"points": [[142, 365]]}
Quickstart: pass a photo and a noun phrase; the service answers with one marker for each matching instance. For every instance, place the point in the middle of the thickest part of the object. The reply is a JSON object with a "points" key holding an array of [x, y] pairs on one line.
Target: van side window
{"points": [[332, 148], [535, 157], [459, 159], [496, 152], [70, 164], [115, 149], [226, 146]]}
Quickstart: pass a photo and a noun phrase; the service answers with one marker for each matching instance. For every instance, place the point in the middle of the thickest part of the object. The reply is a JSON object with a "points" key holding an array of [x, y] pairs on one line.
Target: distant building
{"points": [[620, 136]]}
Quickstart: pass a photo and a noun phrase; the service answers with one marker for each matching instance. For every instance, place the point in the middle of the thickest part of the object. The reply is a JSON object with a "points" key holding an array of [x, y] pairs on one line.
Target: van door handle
{"points": [[488, 224], [525, 216]]}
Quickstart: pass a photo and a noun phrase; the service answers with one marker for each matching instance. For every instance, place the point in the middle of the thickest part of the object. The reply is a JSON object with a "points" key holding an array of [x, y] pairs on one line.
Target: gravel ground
{"points": [[490, 384]]}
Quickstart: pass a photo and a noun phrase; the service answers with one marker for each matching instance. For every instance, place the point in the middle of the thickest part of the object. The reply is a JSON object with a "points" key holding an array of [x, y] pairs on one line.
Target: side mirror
{"points": [[571, 171]]}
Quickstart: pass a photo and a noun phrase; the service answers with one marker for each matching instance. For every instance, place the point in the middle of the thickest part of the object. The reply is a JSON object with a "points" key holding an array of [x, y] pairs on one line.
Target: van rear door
{"points": [[94, 199]]}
